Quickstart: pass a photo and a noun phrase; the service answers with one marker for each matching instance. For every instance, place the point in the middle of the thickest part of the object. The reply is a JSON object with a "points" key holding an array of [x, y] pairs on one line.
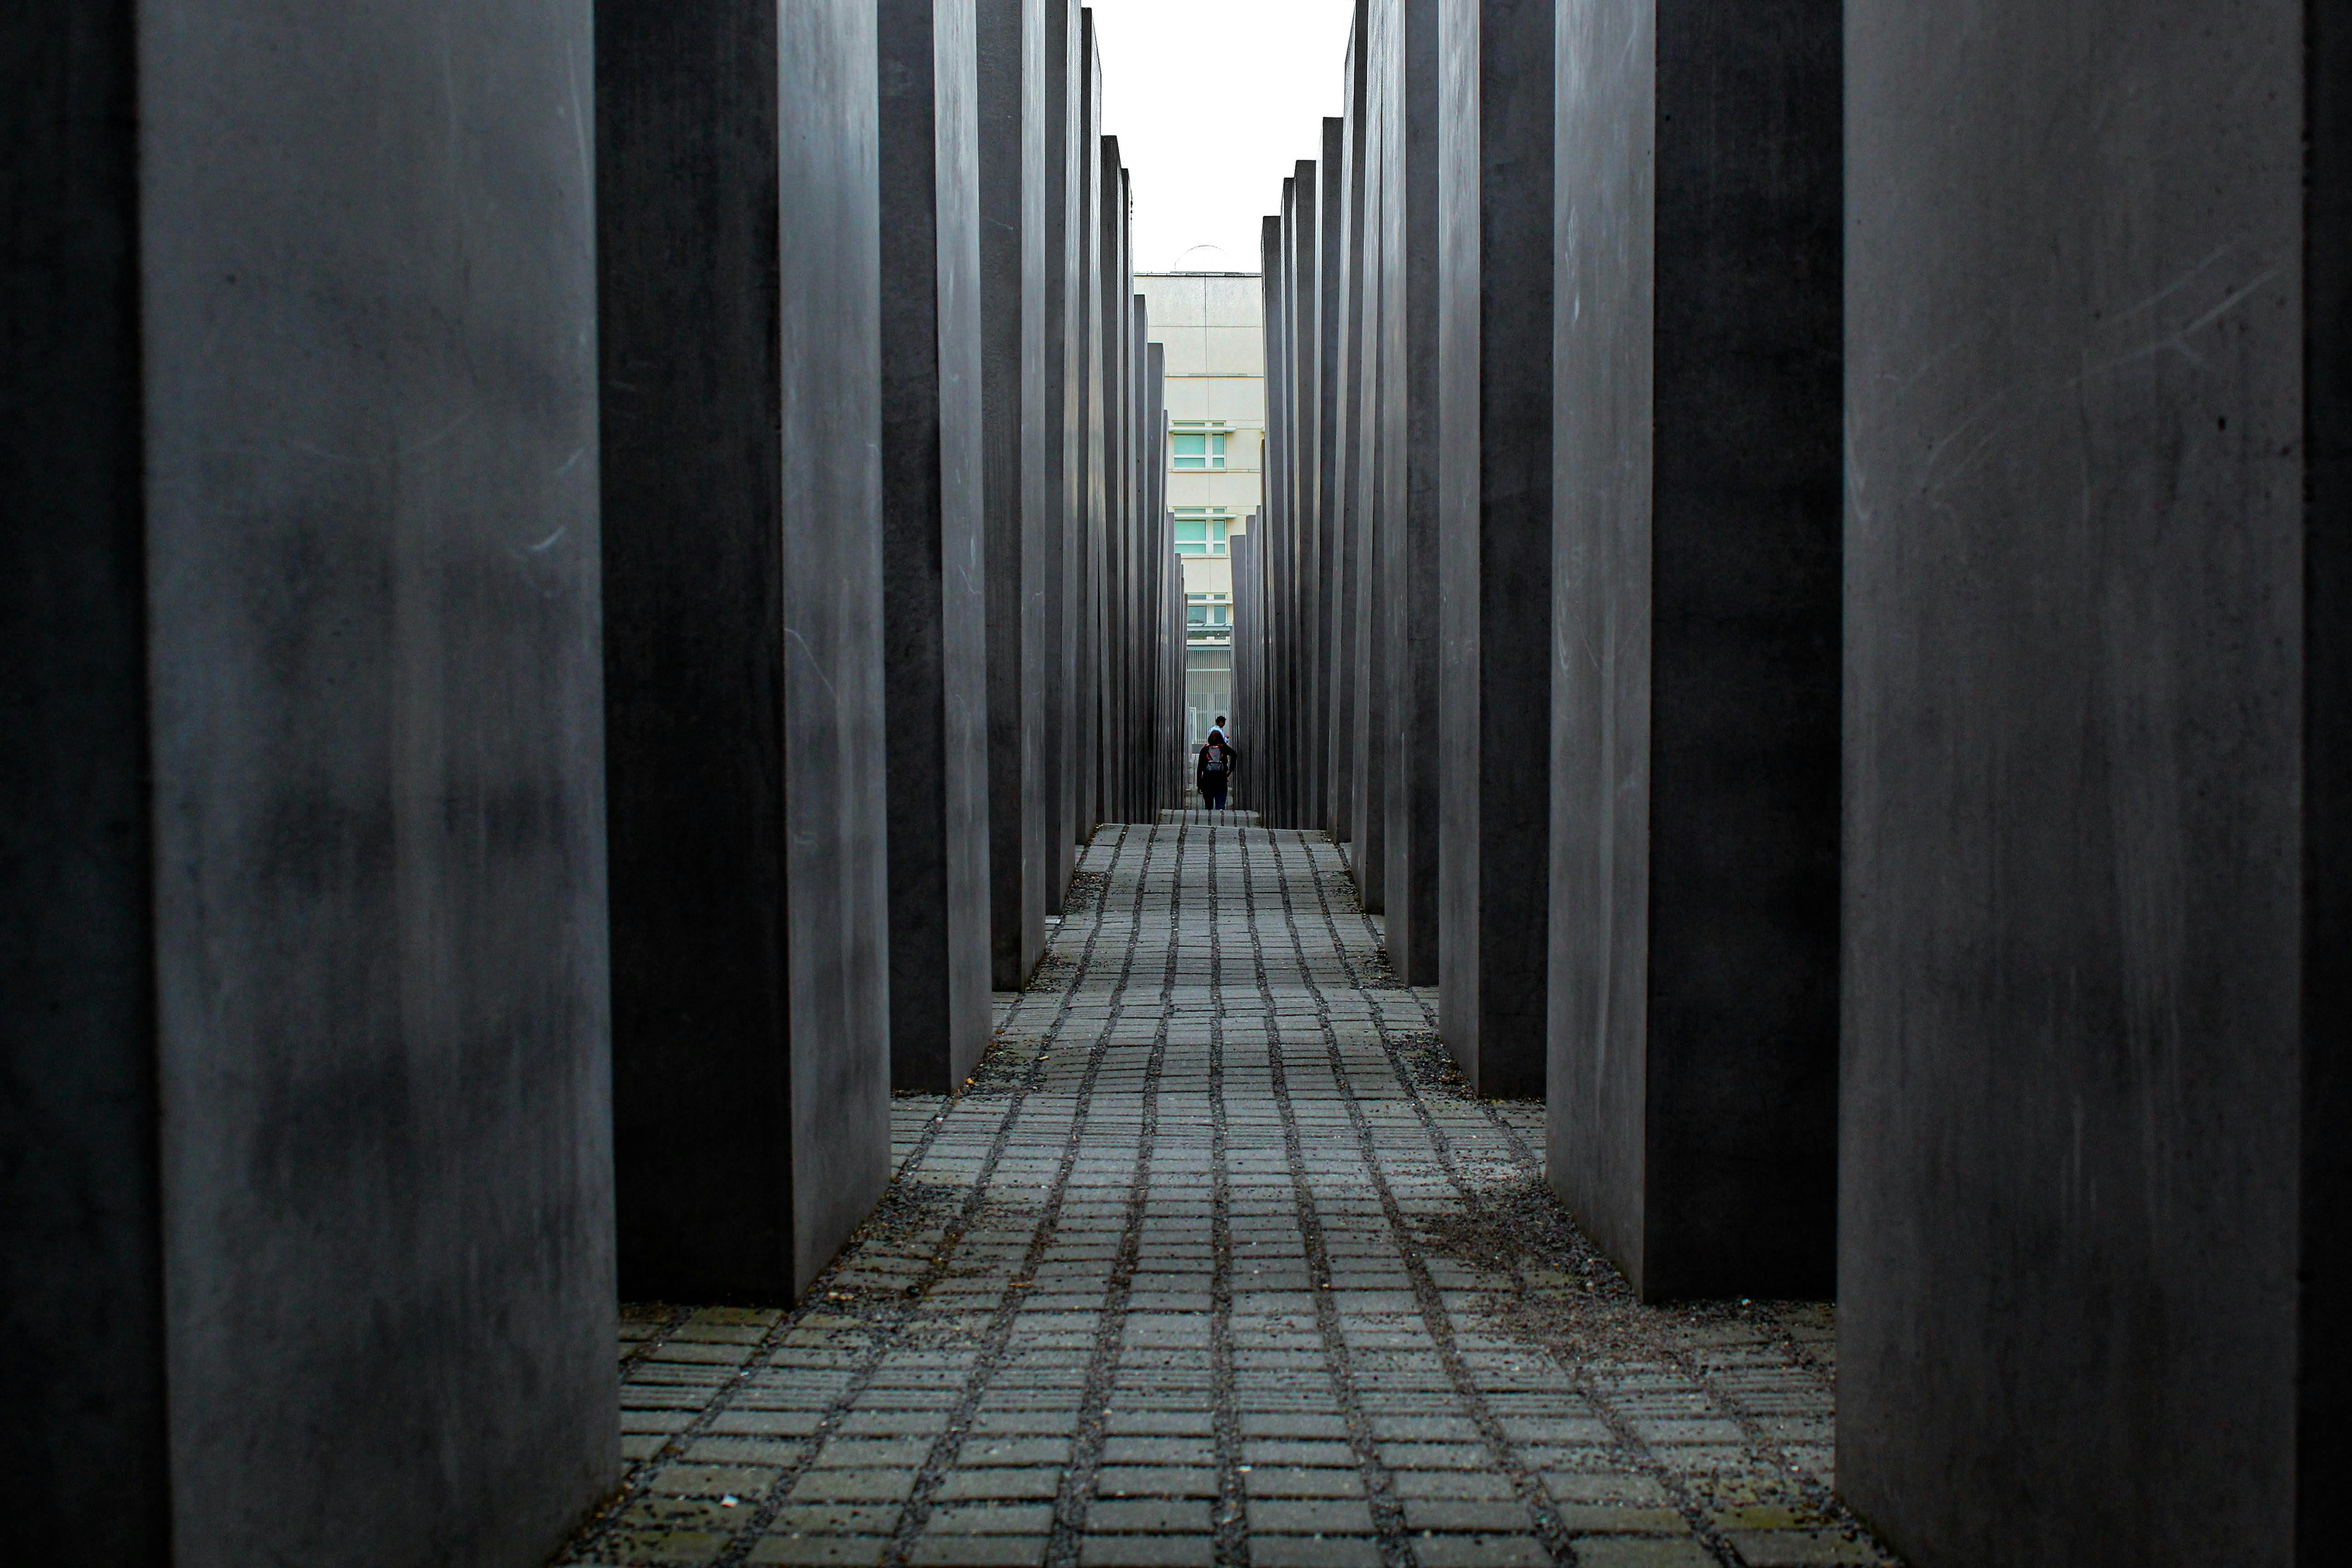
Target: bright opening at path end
{"points": [[1213, 102]]}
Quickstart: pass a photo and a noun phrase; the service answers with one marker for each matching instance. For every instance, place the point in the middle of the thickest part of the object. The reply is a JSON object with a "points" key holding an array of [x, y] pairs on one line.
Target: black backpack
{"points": [[1212, 758]]}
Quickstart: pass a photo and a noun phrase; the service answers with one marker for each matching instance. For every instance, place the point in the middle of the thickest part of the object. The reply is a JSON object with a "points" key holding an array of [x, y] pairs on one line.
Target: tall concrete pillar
{"points": [[1329, 582], [1695, 823], [737, 245], [1494, 331], [1016, 432], [1165, 696], [1084, 567], [1110, 663], [1141, 607], [1062, 427], [1349, 559], [2093, 1283], [1302, 333], [1368, 650], [934, 525], [306, 1249], [1406, 507], [1275, 765], [1249, 618]]}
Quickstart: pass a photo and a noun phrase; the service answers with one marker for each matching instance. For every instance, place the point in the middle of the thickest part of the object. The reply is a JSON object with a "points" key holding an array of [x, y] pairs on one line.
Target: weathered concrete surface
{"points": [[1082, 568], [1494, 152], [1695, 826], [2324, 1383], [82, 1262], [303, 886], [934, 528], [1277, 801], [1011, 52], [1408, 504], [1333, 789], [1347, 207], [1061, 426], [1370, 107], [745, 747], [2091, 1281], [1303, 466]]}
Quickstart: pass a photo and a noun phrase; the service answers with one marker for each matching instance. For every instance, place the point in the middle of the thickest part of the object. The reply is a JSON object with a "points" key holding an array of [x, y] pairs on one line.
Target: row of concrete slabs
{"points": [[1802, 556], [557, 564]]}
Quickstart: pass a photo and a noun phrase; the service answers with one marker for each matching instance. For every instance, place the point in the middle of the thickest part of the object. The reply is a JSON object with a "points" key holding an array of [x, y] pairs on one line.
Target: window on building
{"points": [[1199, 446], [1200, 530], [1208, 688], [1208, 617]]}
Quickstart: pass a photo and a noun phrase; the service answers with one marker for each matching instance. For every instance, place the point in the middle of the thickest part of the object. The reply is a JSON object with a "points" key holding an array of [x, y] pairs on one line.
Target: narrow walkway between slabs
{"points": [[1217, 1264]]}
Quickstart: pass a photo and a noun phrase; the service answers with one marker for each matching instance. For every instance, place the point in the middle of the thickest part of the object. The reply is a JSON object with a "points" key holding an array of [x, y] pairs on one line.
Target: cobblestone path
{"points": [[1215, 1263]]}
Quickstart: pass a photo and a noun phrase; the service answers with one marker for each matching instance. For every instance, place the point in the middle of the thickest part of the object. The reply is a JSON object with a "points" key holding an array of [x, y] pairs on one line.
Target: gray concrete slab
{"points": [[2091, 1279], [1494, 723], [1064, 425], [302, 892], [1163, 590], [1011, 60], [934, 534], [1407, 509], [745, 743], [1091, 520], [81, 1199], [1350, 450], [1302, 337], [1369, 104], [1279, 771], [2324, 1376], [1331, 174], [1695, 826]]}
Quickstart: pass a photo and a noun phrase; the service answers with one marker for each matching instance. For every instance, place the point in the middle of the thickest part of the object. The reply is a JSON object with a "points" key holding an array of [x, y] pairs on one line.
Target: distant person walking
{"points": [[1215, 771]]}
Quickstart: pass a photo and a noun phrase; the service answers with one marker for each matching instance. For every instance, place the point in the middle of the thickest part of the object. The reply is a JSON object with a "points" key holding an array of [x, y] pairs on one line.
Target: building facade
{"points": [[1212, 325]]}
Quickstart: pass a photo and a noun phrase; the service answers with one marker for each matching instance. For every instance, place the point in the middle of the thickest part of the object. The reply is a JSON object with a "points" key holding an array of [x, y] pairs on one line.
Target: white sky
{"points": [[1212, 102]]}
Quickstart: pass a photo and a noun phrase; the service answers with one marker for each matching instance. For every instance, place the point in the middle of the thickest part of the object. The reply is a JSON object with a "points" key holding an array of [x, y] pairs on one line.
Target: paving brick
{"points": [[1489, 1516], [836, 1519], [1480, 1552], [1155, 1515], [853, 1486], [860, 1552], [1297, 1481], [1313, 1552], [1160, 1451], [1628, 1551], [991, 1482], [991, 1519], [1797, 1548], [978, 1551], [1148, 1551], [1310, 1516]]}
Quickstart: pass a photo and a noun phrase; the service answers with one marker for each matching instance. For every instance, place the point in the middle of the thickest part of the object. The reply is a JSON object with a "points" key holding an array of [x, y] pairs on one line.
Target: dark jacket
{"points": [[1201, 774]]}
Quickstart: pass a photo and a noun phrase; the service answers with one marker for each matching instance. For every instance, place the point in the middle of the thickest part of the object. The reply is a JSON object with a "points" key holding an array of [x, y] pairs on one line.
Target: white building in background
{"points": [[1212, 326]]}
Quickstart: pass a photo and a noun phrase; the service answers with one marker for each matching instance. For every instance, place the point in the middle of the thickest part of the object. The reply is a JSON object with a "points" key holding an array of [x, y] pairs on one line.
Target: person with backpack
{"points": [[1215, 771]]}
